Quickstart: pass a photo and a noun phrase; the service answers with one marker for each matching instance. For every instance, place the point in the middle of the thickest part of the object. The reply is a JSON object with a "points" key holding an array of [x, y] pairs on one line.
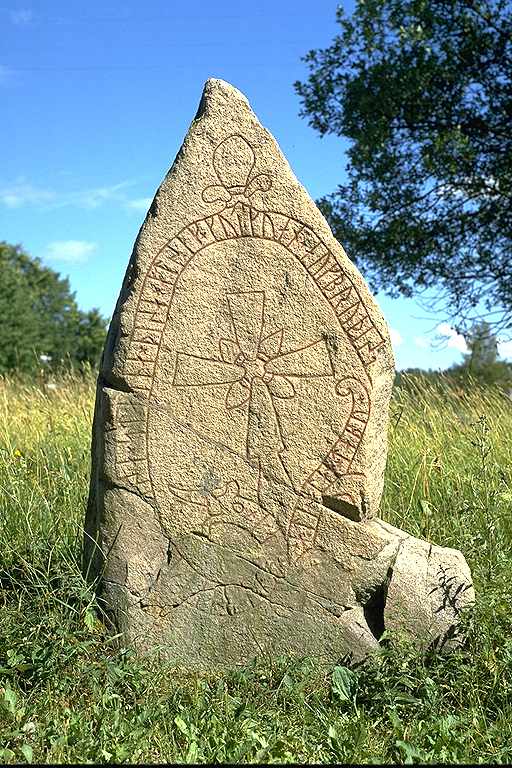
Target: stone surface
{"points": [[240, 428]]}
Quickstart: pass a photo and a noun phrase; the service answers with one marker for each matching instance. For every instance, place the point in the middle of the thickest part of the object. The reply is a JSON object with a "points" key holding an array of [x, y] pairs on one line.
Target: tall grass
{"points": [[67, 694]]}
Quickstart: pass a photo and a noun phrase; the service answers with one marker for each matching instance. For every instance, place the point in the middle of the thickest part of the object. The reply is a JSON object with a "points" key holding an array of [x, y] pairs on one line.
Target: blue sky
{"points": [[97, 98]]}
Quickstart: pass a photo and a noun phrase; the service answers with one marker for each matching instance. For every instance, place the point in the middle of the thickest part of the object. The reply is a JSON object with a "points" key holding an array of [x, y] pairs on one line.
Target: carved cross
{"points": [[257, 370]]}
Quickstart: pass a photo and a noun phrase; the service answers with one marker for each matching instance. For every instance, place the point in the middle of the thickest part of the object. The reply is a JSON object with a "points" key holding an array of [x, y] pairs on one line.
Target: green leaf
{"points": [[26, 751], [405, 698], [395, 721], [343, 683], [10, 700], [181, 725], [425, 507], [192, 752], [409, 751], [90, 620]]}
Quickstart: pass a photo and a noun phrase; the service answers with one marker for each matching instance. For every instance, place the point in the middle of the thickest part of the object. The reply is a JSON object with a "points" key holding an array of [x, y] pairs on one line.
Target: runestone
{"points": [[239, 439]]}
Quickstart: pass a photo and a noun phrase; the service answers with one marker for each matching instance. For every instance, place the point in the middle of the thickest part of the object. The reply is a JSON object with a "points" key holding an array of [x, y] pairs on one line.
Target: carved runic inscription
{"points": [[238, 218], [259, 362]]}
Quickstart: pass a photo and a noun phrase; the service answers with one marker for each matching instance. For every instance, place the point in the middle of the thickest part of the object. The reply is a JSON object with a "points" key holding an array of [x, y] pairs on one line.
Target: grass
{"points": [[68, 694]]}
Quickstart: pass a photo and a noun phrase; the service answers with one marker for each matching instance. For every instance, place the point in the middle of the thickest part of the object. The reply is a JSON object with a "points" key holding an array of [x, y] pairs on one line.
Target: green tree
{"points": [[40, 316], [481, 361], [88, 332], [422, 89], [482, 347]]}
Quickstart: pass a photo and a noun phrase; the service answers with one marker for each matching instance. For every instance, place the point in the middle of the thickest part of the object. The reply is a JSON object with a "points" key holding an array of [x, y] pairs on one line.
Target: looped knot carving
{"points": [[233, 161]]}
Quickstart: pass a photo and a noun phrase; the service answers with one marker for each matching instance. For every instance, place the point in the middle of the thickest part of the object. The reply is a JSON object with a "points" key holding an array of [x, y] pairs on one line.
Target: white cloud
{"points": [[140, 204], [505, 349], [21, 16], [71, 251], [396, 338], [23, 193], [93, 198], [421, 342], [454, 340]]}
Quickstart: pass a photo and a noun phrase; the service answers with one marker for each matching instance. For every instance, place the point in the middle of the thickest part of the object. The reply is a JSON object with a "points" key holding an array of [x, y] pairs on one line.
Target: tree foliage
{"points": [[40, 317], [481, 361], [481, 365], [423, 91]]}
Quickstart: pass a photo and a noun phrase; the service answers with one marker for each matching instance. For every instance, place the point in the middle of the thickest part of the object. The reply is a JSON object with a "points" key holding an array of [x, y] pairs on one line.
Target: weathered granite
{"points": [[240, 428]]}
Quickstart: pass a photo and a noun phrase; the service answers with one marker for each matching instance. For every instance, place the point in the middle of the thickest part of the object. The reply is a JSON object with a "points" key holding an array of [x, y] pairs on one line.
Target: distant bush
{"points": [[42, 326], [480, 366]]}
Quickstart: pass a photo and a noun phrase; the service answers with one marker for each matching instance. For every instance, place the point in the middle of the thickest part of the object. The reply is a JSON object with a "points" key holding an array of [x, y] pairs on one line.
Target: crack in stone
{"points": [[111, 485], [303, 590], [296, 590]]}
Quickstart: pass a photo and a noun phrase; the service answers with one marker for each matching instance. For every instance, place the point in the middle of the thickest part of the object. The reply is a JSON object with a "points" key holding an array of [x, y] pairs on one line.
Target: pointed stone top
{"points": [[216, 84], [219, 92]]}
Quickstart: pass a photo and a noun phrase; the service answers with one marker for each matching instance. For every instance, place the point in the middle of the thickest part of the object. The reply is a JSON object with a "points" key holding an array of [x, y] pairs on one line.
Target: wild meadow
{"points": [[69, 693]]}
